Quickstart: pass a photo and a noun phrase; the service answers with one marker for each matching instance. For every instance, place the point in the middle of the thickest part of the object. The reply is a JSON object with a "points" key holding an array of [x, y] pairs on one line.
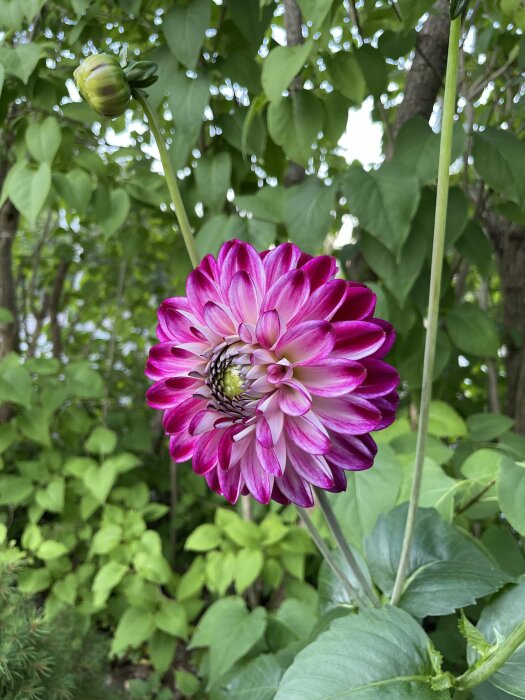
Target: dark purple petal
{"points": [[181, 447], [180, 419], [306, 434], [259, 483], [388, 407], [319, 270], [296, 489], [357, 339], [381, 379], [164, 393], [348, 414], [205, 452], [231, 483], [351, 452], [389, 339], [359, 303], [311, 467]]}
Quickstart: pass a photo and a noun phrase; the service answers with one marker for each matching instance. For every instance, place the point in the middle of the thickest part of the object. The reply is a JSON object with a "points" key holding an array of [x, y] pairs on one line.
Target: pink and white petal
{"points": [[243, 256], [223, 252], [200, 289], [263, 432], [331, 377], [348, 414], [181, 447], [209, 266], [163, 395], [287, 295], [279, 372], [202, 422], [205, 452], [359, 303], [294, 400], [323, 303], [262, 357], [313, 468], [357, 339], [295, 488], [244, 298], [231, 483], [279, 261], [259, 483], [246, 333], [319, 270], [220, 322], [165, 360], [351, 452], [307, 342], [381, 379], [269, 328], [180, 419], [306, 434], [268, 460], [175, 325]]}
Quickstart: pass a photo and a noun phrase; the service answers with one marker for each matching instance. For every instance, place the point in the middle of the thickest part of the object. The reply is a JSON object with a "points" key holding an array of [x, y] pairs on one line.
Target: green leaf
{"points": [[437, 488], [43, 139], [8, 435], [482, 465], [109, 576], [28, 189], [14, 489], [6, 317], [220, 571], [31, 537], [172, 618], [84, 382], [347, 76], [161, 649], [307, 214], [243, 533], [281, 66], [184, 27], [75, 187], [188, 99], [447, 569], [212, 234], [500, 541], [294, 124], [473, 636], [106, 539], [511, 492], [186, 683], [374, 69], [51, 549], [153, 567], [332, 593], [498, 619], [99, 481], [51, 498], [102, 441], [229, 631], [258, 679], [15, 382], [369, 493], [66, 589], [134, 627], [249, 566], [472, 331], [34, 580], [475, 247], [267, 203], [21, 60], [212, 176], [362, 656], [499, 158], [444, 421], [314, 11], [488, 426], [34, 424], [119, 205], [252, 19], [384, 201], [204, 538]]}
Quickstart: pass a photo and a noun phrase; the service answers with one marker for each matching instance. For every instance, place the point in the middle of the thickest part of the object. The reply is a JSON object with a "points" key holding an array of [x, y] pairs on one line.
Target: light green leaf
{"points": [[499, 158], [109, 576], [21, 60], [347, 76], [51, 549], [34, 580], [294, 124], [106, 539], [482, 465], [511, 492], [14, 489], [249, 566], [472, 331], [484, 427], [84, 382], [281, 66], [314, 11], [99, 481], [267, 203], [256, 680], [66, 589], [243, 533], [28, 189], [134, 627], [184, 27], [307, 214], [31, 537], [384, 201], [75, 187], [444, 421], [447, 569], [361, 657], [212, 176], [229, 631], [119, 205], [51, 498], [6, 317], [153, 567], [219, 571], [212, 234], [172, 618], [15, 382], [161, 649], [204, 538], [43, 139], [34, 424], [102, 441]]}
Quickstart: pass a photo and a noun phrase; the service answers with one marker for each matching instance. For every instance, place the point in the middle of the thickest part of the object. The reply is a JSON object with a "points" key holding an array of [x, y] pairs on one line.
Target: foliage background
{"points": [[254, 97]]}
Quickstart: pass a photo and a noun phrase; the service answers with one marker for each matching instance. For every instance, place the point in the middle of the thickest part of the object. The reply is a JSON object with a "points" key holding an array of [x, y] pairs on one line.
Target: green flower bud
{"points": [[103, 84]]}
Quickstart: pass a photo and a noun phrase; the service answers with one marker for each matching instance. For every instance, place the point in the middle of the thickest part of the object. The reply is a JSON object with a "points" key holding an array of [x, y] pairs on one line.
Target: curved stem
{"points": [[329, 558], [347, 553], [449, 107], [478, 674], [171, 178]]}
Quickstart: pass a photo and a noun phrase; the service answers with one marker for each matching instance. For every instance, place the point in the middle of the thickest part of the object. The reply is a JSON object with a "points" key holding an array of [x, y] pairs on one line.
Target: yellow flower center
{"points": [[232, 382]]}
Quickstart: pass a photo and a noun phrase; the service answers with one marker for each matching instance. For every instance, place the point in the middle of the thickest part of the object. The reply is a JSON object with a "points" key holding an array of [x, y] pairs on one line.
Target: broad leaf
{"points": [[294, 124], [511, 492], [488, 426], [499, 158], [307, 215], [43, 139], [212, 176], [256, 680], [472, 331], [28, 189], [281, 66], [184, 27]]}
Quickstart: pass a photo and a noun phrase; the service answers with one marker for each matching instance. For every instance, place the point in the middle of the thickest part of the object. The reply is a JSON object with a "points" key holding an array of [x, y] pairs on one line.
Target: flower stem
{"points": [[449, 107], [171, 178], [478, 674], [335, 529], [330, 560]]}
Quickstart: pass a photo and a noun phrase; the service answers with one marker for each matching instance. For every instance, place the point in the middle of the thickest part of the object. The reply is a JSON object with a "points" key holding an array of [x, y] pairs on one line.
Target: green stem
{"points": [[477, 675], [341, 542], [329, 558], [171, 178], [449, 107]]}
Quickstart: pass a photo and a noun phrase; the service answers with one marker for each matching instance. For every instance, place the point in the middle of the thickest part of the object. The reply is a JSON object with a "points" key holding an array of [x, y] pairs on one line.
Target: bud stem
{"points": [[445, 153], [171, 178]]}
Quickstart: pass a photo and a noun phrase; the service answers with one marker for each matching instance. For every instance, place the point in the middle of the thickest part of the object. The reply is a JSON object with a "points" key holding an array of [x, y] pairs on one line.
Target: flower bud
{"points": [[103, 84]]}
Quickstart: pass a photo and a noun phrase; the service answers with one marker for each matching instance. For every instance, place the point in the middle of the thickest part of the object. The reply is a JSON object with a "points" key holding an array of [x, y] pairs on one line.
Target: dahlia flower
{"points": [[270, 375]]}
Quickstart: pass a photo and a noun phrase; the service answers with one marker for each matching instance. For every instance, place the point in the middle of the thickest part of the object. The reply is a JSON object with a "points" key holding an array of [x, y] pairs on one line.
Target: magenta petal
{"points": [[306, 342], [216, 318], [279, 261], [242, 256], [181, 447], [166, 360], [244, 298], [357, 339], [306, 435], [231, 483], [268, 460], [390, 338], [202, 422], [348, 414], [205, 452], [388, 406], [352, 452], [175, 325], [339, 478], [332, 377], [287, 295], [294, 400], [381, 379], [311, 467], [180, 419], [323, 303], [319, 270], [269, 328], [200, 290], [259, 483], [263, 432], [295, 488], [359, 303], [161, 395]]}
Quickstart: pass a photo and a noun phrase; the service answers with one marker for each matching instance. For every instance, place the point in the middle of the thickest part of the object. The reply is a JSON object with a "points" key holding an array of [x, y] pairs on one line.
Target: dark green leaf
{"points": [[184, 27]]}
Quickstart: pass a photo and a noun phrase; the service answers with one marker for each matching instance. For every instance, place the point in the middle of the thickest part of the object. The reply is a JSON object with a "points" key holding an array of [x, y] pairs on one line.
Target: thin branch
{"points": [[475, 498]]}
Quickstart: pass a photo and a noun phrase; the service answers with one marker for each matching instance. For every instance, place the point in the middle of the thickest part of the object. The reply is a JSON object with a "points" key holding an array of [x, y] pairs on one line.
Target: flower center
{"points": [[232, 382], [227, 382]]}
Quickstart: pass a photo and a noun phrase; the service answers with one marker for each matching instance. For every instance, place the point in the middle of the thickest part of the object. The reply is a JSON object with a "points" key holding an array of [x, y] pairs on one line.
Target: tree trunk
{"points": [[509, 243], [293, 22], [8, 228]]}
